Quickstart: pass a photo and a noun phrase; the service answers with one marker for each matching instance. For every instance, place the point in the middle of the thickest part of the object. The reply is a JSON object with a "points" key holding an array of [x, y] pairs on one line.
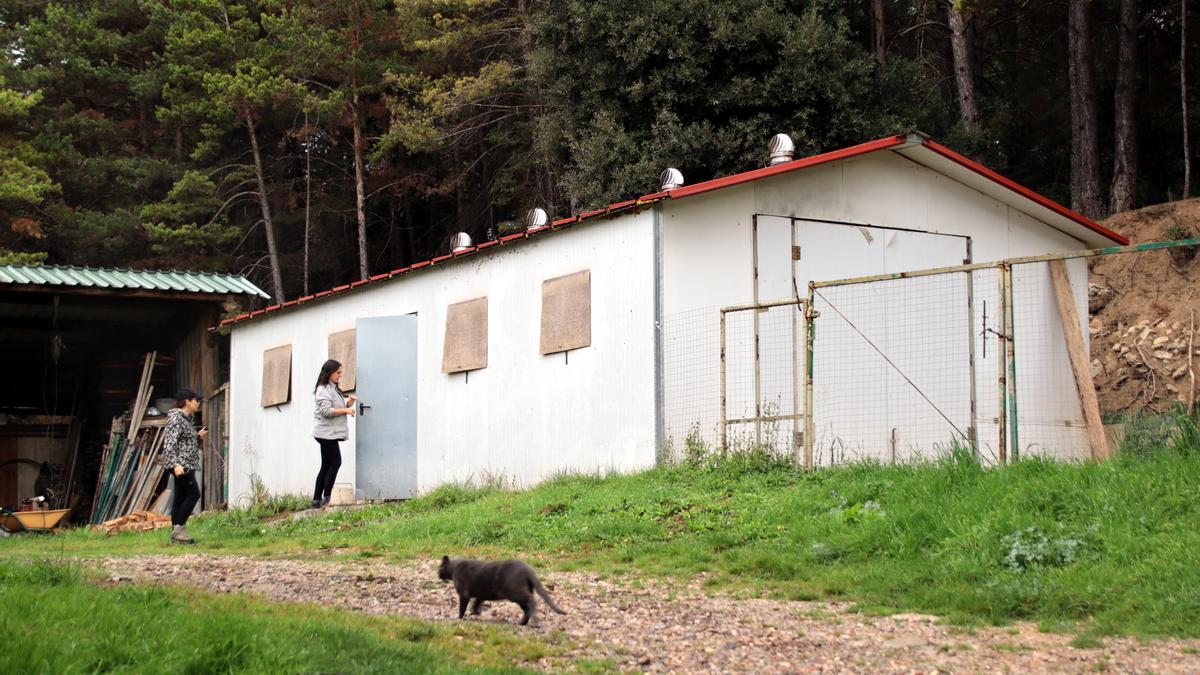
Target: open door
{"points": [[386, 430]]}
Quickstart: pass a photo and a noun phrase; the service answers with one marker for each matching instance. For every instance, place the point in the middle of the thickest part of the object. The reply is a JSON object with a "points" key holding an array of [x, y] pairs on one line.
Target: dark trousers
{"points": [[184, 497], [331, 461]]}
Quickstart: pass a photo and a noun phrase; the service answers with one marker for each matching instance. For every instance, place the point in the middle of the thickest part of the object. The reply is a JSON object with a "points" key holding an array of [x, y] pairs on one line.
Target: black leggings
{"points": [[184, 497], [331, 461]]}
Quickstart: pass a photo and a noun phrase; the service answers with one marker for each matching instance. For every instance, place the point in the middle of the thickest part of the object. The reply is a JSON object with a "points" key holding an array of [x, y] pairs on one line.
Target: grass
{"points": [[55, 619], [1109, 548]]}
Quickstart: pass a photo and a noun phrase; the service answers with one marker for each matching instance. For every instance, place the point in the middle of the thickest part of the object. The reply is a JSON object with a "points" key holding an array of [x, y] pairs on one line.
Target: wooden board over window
{"points": [[465, 346], [567, 312], [342, 350], [277, 376]]}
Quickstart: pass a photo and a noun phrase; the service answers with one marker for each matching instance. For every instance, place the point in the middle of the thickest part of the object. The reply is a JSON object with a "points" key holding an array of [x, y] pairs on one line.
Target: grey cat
{"points": [[477, 582]]}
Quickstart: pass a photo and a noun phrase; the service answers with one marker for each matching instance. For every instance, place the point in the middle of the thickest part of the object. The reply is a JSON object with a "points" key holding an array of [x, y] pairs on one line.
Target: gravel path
{"points": [[659, 630]]}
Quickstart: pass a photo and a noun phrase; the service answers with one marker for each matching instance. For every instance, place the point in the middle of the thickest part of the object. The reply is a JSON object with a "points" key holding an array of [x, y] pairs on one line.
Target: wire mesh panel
{"points": [[892, 369], [763, 368], [691, 380], [1049, 419]]}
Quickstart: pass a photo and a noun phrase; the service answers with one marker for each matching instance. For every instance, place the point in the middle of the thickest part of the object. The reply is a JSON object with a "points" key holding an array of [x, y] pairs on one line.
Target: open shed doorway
{"points": [[73, 355]]}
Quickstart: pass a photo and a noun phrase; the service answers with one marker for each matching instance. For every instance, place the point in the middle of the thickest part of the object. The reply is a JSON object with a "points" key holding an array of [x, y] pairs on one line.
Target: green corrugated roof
{"points": [[151, 280]]}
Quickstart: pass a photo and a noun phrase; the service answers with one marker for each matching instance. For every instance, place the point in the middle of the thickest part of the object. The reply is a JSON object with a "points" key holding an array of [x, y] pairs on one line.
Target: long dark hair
{"points": [[328, 369]]}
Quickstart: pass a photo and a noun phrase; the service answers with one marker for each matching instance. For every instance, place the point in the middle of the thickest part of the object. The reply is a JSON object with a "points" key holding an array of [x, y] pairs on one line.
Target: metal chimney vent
{"points": [[782, 149], [536, 218], [670, 179], [460, 242]]}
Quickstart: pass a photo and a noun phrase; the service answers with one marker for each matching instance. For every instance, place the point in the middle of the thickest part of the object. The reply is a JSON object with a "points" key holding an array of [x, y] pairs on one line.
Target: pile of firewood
{"points": [[138, 521]]}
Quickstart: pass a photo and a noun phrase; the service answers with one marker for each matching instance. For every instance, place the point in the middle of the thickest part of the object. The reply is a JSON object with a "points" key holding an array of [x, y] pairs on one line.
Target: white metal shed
{"points": [[644, 373]]}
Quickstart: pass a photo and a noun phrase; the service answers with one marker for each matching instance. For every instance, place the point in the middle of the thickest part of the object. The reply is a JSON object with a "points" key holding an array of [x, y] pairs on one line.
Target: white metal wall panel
{"points": [[525, 416]]}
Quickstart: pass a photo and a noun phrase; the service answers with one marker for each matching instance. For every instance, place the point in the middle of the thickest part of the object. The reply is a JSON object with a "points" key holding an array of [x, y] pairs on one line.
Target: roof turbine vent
{"points": [[670, 179], [536, 218], [782, 149], [460, 242]]}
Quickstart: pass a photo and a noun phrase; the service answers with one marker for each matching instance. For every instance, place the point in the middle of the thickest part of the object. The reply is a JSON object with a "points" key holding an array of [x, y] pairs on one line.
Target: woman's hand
{"points": [[202, 433], [351, 399], [349, 411], [178, 470]]}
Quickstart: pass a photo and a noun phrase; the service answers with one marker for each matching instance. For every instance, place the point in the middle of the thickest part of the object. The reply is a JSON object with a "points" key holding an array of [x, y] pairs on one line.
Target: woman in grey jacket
{"points": [[331, 408]]}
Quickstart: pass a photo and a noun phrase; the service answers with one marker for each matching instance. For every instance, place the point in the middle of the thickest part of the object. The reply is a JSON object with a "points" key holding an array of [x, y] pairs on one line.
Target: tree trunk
{"points": [[268, 224], [879, 31], [1187, 153], [964, 76], [360, 199], [1125, 132], [1085, 157], [307, 197]]}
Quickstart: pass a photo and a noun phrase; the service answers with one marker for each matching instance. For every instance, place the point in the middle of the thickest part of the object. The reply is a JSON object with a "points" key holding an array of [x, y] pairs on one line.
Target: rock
{"points": [[1097, 368], [1163, 354], [1176, 326], [1160, 341], [1120, 377], [905, 643], [1179, 372], [1117, 347], [1098, 297]]}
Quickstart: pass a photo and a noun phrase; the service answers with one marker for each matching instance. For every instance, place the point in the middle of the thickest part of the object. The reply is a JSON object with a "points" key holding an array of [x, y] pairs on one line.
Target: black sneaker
{"points": [[325, 502], [316, 504]]}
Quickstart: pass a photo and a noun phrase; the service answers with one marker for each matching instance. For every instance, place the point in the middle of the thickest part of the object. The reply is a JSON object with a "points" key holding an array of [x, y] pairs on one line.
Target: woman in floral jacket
{"points": [[181, 452]]}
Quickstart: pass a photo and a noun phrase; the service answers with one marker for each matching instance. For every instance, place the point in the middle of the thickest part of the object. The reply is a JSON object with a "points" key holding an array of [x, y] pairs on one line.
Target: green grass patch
{"points": [[55, 619], [1113, 546]]}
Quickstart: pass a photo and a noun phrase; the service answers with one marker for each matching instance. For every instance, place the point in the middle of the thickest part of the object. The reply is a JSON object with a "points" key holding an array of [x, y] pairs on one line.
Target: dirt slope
{"points": [[1142, 308]]}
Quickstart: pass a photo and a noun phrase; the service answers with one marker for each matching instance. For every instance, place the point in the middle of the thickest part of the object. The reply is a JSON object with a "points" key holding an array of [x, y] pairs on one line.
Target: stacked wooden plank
{"points": [[138, 521], [130, 467]]}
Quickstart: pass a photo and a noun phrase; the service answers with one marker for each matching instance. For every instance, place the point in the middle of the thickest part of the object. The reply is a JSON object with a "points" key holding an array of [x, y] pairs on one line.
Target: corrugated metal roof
{"points": [[148, 280]]}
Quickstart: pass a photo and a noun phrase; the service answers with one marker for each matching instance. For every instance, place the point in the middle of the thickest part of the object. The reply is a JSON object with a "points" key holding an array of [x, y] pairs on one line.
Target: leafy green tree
{"points": [[23, 183], [191, 224], [638, 86], [219, 74]]}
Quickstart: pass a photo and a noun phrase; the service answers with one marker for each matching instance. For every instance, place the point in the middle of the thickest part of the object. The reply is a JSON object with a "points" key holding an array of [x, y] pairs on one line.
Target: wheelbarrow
{"points": [[32, 521]]}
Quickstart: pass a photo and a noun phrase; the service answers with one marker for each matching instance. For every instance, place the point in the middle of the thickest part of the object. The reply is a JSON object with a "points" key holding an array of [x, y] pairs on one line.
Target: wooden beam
{"points": [[1080, 363]]}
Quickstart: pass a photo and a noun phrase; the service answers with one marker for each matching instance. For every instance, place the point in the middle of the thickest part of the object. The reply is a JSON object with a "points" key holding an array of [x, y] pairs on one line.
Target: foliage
{"points": [[162, 629], [113, 115], [1109, 546]]}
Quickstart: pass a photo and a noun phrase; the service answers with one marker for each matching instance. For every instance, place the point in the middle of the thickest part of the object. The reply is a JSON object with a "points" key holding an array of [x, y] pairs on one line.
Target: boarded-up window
{"points": [[465, 346], [341, 349], [277, 376], [567, 312]]}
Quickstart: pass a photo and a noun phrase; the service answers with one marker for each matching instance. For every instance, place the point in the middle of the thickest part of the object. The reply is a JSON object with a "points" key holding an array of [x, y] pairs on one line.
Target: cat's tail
{"points": [[541, 590]]}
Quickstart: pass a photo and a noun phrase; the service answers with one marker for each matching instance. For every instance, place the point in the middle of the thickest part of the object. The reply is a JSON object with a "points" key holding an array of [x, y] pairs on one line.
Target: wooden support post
{"points": [[810, 334], [1097, 438], [1002, 368]]}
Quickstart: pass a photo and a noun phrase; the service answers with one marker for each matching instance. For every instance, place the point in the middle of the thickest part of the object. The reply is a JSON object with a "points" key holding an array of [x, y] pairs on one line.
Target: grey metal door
{"points": [[386, 430]]}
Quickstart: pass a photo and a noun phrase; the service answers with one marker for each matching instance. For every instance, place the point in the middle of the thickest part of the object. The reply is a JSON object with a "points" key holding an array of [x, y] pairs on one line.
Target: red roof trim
{"points": [[338, 289], [1024, 191], [718, 183], [766, 172]]}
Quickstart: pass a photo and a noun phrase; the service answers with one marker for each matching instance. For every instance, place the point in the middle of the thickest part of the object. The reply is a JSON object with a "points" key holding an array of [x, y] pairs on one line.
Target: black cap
{"points": [[185, 394]]}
